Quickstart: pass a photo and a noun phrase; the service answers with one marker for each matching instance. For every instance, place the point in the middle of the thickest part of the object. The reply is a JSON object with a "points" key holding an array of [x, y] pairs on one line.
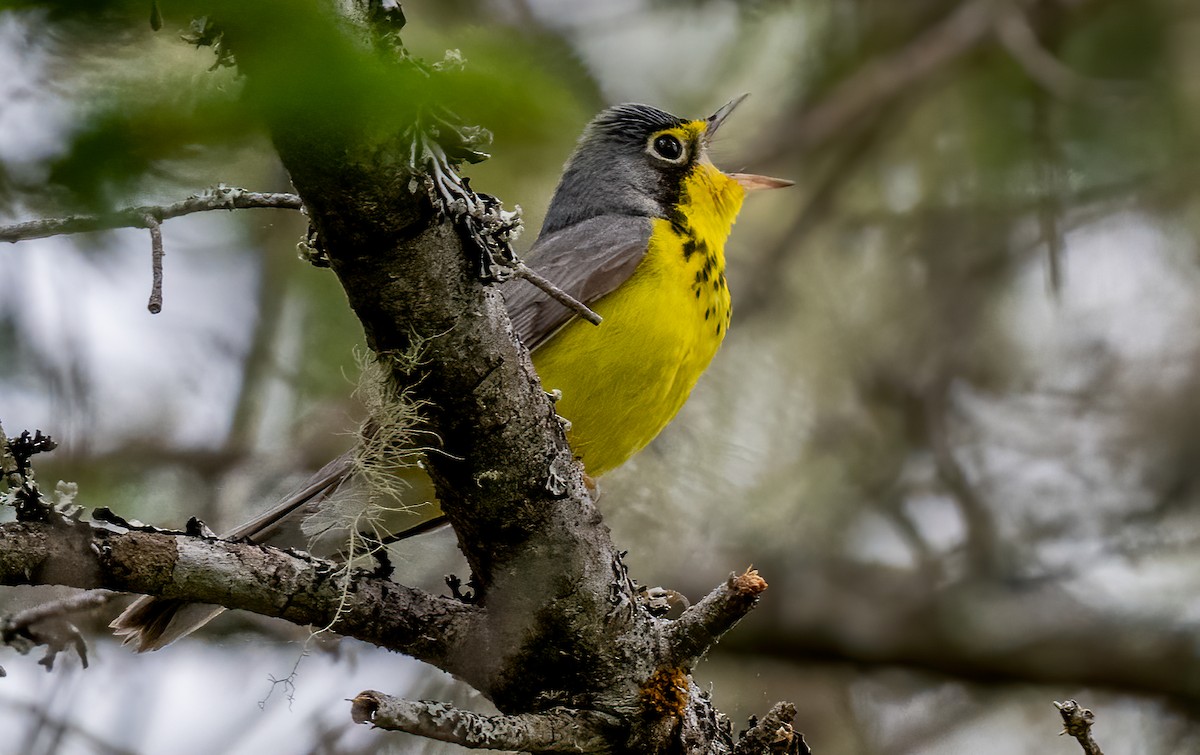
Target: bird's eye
{"points": [[668, 147]]}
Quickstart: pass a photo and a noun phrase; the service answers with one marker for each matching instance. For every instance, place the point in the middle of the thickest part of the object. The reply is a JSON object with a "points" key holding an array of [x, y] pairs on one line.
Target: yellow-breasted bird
{"points": [[636, 230]]}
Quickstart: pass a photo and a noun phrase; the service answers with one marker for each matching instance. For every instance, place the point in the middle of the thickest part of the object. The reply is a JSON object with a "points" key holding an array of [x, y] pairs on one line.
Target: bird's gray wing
{"points": [[587, 260]]}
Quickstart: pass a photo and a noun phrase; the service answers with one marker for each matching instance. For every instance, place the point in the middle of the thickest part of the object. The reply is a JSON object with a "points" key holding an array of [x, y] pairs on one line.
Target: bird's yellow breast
{"points": [[624, 380]]}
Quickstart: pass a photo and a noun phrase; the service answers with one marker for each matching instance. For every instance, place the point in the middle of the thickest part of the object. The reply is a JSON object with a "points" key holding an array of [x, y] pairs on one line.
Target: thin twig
{"points": [[156, 259], [83, 601], [1051, 176], [219, 198], [984, 554], [1077, 722], [554, 730], [556, 293], [47, 625]]}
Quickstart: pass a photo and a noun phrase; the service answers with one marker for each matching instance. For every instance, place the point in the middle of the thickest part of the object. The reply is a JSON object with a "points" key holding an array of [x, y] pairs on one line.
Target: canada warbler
{"points": [[636, 229]]}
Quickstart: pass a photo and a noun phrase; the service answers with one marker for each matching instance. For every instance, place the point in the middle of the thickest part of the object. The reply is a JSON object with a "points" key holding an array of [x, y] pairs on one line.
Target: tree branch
{"points": [[19, 630], [773, 734], [889, 76], [701, 626], [985, 630], [219, 198], [156, 260], [268, 581], [555, 730], [84, 601], [1077, 722]]}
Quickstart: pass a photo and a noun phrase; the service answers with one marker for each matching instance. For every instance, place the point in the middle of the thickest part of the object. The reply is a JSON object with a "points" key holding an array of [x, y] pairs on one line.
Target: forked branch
{"points": [[218, 198]]}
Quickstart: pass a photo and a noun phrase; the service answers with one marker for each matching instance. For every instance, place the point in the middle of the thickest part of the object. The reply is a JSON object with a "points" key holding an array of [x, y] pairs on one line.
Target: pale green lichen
{"points": [[392, 444]]}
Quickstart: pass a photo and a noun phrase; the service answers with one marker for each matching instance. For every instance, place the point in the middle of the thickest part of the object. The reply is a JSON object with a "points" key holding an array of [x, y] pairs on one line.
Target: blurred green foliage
{"points": [[144, 100]]}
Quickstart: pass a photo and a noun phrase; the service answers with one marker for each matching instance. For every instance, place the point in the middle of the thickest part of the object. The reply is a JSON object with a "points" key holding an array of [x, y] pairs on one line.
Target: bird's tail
{"points": [[152, 623]]}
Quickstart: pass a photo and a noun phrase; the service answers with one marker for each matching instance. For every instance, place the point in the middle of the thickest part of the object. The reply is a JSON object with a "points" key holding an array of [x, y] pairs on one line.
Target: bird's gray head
{"points": [[630, 160]]}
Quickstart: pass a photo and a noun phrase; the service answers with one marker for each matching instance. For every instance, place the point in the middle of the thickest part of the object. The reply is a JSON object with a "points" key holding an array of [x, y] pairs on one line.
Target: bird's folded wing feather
{"points": [[587, 260]]}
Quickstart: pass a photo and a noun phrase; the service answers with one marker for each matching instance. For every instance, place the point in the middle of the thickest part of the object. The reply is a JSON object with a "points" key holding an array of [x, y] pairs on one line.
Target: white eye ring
{"points": [[668, 148]]}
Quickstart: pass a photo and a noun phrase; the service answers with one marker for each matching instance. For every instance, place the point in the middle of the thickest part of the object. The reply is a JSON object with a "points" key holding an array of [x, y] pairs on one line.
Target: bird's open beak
{"points": [[716, 119], [749, 181]]}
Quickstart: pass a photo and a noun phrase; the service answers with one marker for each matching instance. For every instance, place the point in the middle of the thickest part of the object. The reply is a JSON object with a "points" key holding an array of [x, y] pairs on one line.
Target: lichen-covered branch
{"points": [[268, 581], [555, 730]]}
